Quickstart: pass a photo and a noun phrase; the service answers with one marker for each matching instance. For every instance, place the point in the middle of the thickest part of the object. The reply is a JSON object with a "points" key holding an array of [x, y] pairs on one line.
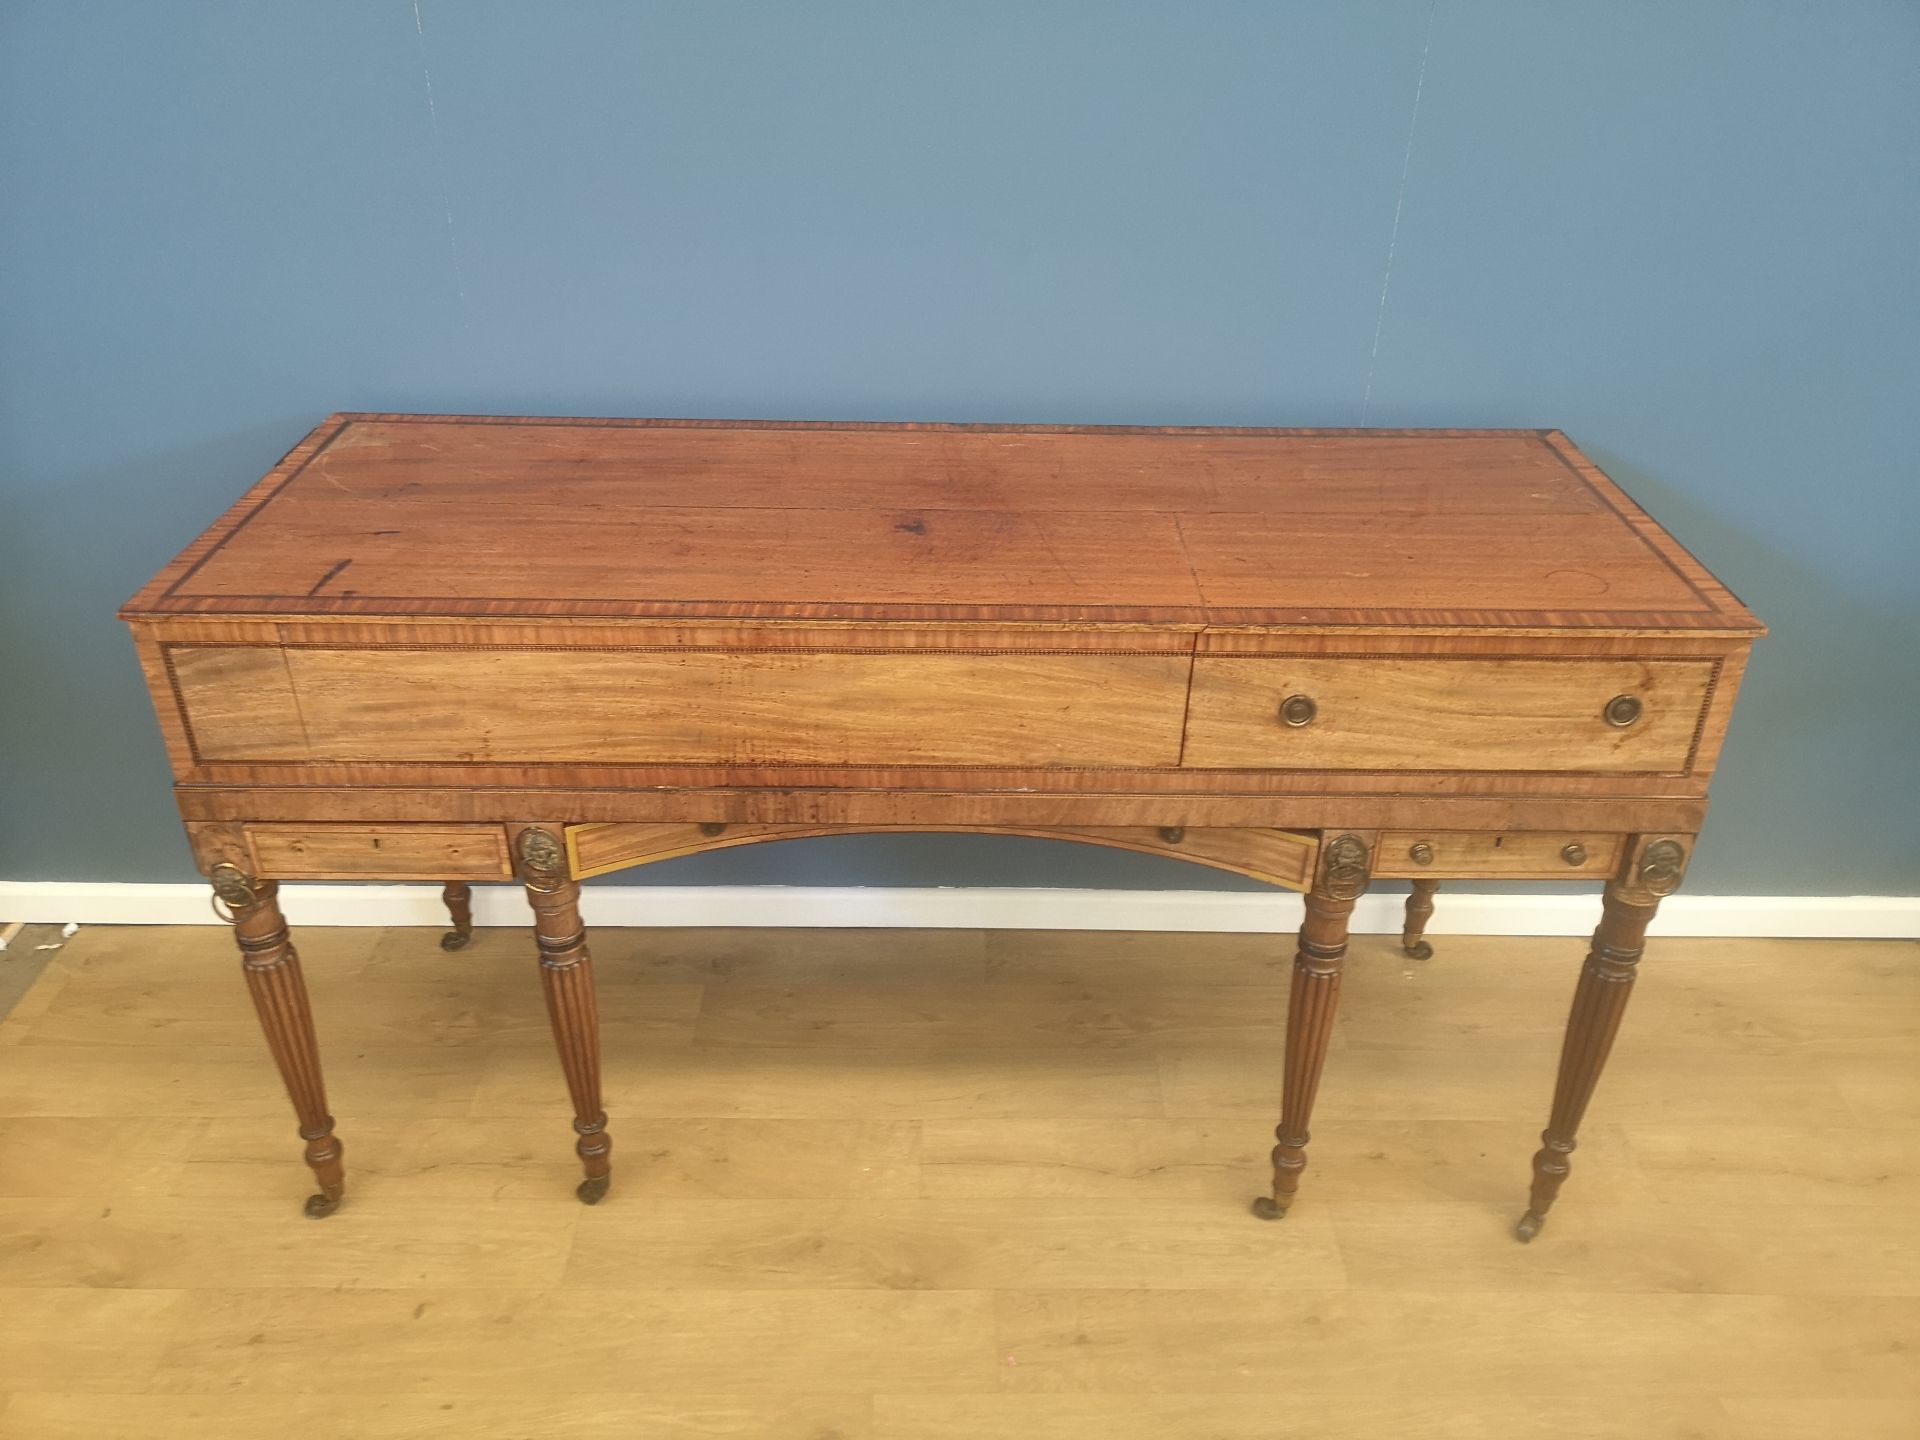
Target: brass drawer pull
{"points": [[1298, 710], [1420, 853], [1623, 710], [1575, 854]]}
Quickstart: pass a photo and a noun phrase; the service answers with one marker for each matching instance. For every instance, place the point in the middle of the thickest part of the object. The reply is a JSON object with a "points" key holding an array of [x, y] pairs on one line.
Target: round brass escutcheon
{"points": [[1298, 710], [1420, 853], [1623, 710], [1575, 854]]}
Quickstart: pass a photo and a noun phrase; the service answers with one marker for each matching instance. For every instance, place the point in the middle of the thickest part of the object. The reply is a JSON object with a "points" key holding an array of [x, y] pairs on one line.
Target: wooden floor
{"points": [[934, 1185]]}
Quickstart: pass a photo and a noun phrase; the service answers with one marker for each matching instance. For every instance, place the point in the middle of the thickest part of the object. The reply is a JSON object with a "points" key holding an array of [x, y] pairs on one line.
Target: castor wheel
{"points": [[593, 1189], [318, 1207], [1528, 1227], [456, 940], [1265, 1207], [1418, 949]]}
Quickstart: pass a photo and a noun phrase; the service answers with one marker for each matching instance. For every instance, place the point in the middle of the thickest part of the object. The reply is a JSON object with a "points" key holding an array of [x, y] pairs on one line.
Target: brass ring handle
{"points": [[1623, 710], [1298, 710]]}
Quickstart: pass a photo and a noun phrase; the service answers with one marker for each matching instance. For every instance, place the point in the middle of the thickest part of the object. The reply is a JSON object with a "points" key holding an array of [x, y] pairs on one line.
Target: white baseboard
{"points": [[1465, 912]]}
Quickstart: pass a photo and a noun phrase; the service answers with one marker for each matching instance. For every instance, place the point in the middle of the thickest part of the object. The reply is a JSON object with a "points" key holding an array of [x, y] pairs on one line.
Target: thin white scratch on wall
{"points": [[1399, 202], [440, 167]]}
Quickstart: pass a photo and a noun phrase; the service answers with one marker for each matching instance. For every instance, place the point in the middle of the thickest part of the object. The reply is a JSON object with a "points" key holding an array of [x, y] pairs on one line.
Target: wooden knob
{"points": [[1420, 853], [1298, 710], [1623, 710], [1575, 854]]}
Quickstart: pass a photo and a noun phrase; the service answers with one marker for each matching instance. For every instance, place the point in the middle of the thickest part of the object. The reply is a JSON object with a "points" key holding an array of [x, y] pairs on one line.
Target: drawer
{"points": [[1527, 855], [368, 852], [1440, 713], [503, 706]]}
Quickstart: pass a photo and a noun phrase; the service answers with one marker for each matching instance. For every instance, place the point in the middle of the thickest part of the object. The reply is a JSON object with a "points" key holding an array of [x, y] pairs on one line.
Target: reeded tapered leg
{"points": [[272, 968], [566, 974], [1599, 1001], [458, 896], [1419, 911], [1310, 1011]]}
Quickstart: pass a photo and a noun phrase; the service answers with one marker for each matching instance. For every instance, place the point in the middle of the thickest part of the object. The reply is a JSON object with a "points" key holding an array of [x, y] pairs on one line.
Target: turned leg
{"points": [[566, 973], [1599, 1002], [272, 968], [458, 896], [1310, 1011], [1419, 911]]}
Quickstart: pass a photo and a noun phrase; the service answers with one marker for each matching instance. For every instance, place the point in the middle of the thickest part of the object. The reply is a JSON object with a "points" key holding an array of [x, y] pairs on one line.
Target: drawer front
{"points": [[481, 706], [1522, 855], [360, 852], [1440, 713]]}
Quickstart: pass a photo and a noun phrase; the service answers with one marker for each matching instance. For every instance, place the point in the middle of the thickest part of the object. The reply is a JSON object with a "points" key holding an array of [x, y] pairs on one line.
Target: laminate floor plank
{"points": [[148, 1242], [518, 1342], [39, 1155], [947, 1016], [1366, 1417], [1460, 1343], [531, 1157], [1483, 1081], [1225, 1160], [925, 1244], [1747, 1248], [454, 1011], [85, 1339], [436, 1416], [1718, 1166], [1271, 1416], [180, 1081], [817, 1082]]}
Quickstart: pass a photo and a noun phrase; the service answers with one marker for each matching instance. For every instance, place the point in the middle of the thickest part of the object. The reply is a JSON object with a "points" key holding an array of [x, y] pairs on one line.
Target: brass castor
{"points": [[456, 939], [1418, 949], [1528, 1227], [1265, 1207], [318, 1207], [593, 1189]]}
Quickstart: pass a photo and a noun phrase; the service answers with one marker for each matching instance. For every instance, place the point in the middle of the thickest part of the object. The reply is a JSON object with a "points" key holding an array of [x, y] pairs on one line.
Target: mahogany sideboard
{"points": [[464, 648]]}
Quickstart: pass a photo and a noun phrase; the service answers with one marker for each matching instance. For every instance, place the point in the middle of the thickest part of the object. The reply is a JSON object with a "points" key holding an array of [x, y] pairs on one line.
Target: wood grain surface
{"points": [[391, 515], [589, 707]]}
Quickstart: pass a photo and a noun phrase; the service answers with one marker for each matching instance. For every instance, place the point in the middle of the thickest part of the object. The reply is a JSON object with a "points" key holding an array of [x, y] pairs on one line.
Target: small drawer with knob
{"points": [[1521, 855], [1446, 713], [379, 852]]}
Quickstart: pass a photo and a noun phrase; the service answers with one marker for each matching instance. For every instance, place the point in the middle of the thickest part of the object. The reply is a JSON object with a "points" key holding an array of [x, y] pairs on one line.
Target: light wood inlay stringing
{"points": [[471, 648]]}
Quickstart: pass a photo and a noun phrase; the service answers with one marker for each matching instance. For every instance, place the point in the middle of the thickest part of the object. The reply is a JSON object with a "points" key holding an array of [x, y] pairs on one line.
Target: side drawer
{"points": [[1438, 712], [476, 706], [374, 852], [1522, 855]]}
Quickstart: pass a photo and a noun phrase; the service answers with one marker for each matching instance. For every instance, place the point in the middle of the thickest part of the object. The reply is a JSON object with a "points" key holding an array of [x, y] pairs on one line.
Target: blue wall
{"points": [[1685, 233]]}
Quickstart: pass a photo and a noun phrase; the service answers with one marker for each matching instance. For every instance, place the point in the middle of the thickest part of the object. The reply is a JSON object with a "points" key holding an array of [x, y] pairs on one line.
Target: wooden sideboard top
{"points": [[464, 516]]}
